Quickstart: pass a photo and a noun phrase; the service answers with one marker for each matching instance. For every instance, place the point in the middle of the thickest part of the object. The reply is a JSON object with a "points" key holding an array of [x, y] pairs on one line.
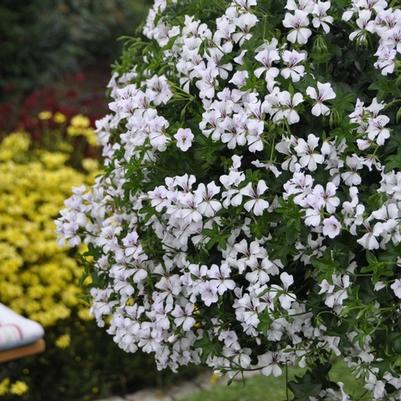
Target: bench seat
{"points": [[19, 336]]}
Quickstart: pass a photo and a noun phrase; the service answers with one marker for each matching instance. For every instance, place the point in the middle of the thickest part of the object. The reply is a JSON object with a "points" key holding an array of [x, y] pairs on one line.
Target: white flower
{"points": [[335, 293], [184, 137], [234, 131], [376, 129], [159, 141], [298, 22], [294, 70], [245, 22], [267, 55], [327, 198], [282, 106], [269, 364], [364, 24], [254, 138], [306, 151], [239, 78], [324, 92], [209, 292], [158, 90], [331, 227], [396, 287], [207, 74], [183, 317], [207, 206], [257, 205], [351, 177], [369, 241], [220, 276], [287, 280], [313, 217], [320, 17]]}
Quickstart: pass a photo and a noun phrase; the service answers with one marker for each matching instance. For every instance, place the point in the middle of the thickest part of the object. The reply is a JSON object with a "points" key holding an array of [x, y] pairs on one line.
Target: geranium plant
{"points": [[249, 212]]}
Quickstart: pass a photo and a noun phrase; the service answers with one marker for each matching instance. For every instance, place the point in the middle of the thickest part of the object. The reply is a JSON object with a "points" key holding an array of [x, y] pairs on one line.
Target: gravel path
{"points": [[174, 393]]}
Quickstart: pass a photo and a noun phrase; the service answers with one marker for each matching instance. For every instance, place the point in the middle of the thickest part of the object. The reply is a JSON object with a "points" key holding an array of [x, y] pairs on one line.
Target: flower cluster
{"points": [[249, 213], [379, 18], [16, 389]]}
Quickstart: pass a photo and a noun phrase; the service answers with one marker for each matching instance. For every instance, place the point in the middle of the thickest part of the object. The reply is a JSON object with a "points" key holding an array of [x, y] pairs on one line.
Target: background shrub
{"points": [[41, 39]]}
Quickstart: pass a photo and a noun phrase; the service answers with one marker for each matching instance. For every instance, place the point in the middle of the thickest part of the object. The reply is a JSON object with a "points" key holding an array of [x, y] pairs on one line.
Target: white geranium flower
{"points": [[220, 276], [254, 138], [298, 23], [324, 92], [269, 364], [257, 205], [320, 17], [369, 241], [282, 106], [396, 287], [239, 78], [365, 24], [313, 217], [331, 227], [293, 69], [287, 280], [267, 55], [183, 316], [351, 177], [306, 151], [209, 292], [184, 137], [207, 206], [377, 130], [158, 90]]}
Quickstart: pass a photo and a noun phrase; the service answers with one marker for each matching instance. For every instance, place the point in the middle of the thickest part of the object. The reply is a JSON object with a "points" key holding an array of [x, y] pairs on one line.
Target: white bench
{"points": [[19, 337]]}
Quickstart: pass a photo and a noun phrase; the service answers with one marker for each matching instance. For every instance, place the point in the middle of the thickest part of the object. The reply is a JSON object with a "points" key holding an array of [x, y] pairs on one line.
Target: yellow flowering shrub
{"points": [[38, 278]]}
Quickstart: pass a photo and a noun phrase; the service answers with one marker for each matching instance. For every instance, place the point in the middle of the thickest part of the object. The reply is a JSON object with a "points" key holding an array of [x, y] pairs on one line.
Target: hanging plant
{"points": [[248, 216]]}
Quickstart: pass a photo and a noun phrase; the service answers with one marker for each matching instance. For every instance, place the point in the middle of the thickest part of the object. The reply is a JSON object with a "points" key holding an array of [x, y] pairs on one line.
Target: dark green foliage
{"points": [[41, 39]]}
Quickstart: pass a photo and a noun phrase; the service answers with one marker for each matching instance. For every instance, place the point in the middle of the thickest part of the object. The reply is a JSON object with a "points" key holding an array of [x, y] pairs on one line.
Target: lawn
{"points": [[262, 388]]}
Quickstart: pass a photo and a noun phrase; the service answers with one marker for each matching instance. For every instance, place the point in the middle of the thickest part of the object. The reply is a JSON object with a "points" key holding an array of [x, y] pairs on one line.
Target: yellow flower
{"points": [[90, 136], [14, 146], [52, 160], [19, 388], [59, 118], [90, 165], [80, 121], [63, 341], [4, 386], [73, 131], [84, 314], [45, 115]]}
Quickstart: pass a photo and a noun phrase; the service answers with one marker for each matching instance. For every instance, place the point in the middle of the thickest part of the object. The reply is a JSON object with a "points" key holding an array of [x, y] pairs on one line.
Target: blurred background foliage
{"points": [[56, 54], [56, 57], [42, 39]]}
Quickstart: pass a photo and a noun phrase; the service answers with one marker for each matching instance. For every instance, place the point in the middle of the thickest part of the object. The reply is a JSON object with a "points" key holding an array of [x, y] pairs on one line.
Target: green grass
{"points": [[262, 388]]}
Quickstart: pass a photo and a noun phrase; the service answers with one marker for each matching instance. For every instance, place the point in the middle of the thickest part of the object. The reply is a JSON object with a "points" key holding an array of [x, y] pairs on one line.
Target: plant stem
{"points": [[286, 381]]}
